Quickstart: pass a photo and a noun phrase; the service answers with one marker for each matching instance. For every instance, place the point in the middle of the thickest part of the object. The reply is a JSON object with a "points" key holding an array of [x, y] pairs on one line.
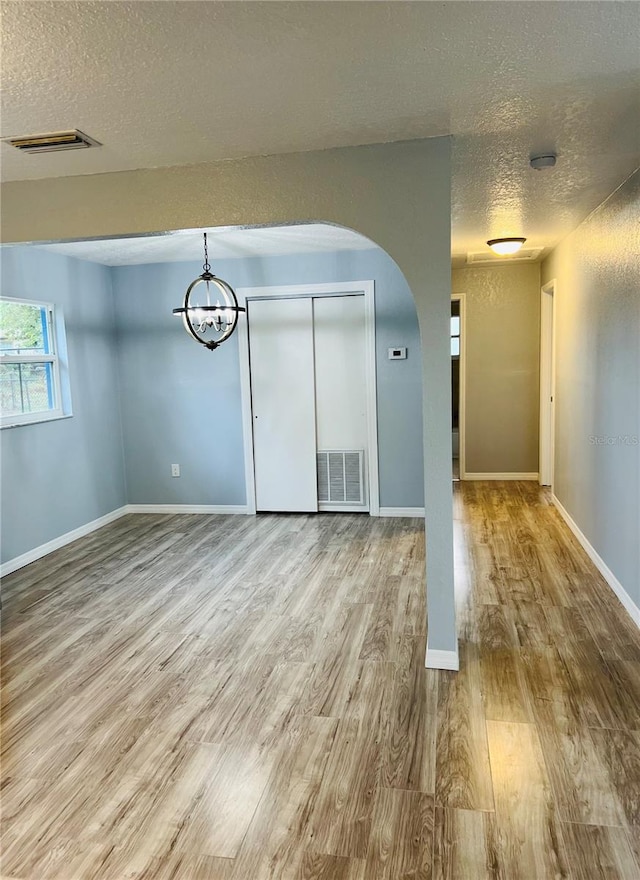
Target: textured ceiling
{"points": [[172, 83], [222, 244]]}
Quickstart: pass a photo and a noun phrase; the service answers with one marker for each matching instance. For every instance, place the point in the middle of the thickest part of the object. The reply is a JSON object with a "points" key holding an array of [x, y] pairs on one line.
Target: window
{"points": [[455, 336], [29, 368]]}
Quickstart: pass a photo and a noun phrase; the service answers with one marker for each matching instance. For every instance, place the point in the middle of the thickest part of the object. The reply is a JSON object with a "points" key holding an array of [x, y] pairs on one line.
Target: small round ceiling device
{"points": [[546, 160]]}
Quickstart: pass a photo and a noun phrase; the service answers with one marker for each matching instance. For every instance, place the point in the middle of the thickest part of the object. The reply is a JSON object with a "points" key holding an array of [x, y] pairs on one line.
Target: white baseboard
{"points": [[436, 659], [402, 511], [61, 541], [342, 508], [187, 508], [494, 476], [600, 564]]}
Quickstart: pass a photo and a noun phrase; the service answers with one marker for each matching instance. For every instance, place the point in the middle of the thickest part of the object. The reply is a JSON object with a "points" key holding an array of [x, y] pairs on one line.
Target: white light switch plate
{"points": [[397, 354]]}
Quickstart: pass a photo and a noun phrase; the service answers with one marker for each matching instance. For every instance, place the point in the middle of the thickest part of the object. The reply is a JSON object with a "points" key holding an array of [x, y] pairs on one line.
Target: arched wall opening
{"points": [[397, 195]]}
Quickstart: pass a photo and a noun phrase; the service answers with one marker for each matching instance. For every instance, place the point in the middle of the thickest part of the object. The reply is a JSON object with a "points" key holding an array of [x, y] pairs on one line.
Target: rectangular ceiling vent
{"points": [[341, 477], [524, 255], [53, 142]]}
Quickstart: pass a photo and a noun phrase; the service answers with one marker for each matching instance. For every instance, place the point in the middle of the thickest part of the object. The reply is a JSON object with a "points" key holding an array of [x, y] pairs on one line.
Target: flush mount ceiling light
{"points": [[208, 323], [505, 246]]}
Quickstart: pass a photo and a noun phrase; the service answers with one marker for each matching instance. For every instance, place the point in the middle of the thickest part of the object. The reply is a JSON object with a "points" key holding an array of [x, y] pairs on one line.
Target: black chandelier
{"points": [[209, 324]]}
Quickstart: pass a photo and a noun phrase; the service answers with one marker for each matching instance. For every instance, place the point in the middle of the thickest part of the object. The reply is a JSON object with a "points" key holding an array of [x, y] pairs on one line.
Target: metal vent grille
{"points": [[341, 476], [522, 256], [52, 142]]}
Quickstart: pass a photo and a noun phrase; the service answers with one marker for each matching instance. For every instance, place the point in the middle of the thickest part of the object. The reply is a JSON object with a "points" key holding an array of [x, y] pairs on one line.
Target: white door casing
{"points": [[547, 383], [462, 402]]}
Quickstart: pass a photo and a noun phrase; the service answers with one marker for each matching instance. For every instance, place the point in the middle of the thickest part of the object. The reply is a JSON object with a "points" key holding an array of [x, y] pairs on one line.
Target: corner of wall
{"points": [[116, 339]]}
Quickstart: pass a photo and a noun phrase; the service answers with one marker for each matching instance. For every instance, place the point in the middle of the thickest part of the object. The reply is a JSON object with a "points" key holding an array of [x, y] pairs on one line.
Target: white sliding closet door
{"points": [[283, 404], [341, 380], [341, 401]]}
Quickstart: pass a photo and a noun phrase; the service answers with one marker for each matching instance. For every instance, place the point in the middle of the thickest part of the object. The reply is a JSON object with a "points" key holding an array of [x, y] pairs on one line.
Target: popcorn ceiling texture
{"points": [[222, 244], [172, 84]]}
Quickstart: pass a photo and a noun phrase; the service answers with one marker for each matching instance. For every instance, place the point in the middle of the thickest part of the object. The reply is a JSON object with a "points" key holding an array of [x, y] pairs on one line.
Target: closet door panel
{"points": [[341, 401], [283, 404], [341, 381]]}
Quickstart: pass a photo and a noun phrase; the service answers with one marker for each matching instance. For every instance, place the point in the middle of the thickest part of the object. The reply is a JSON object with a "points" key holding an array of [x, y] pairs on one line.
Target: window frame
{"points": [[53, 358]]}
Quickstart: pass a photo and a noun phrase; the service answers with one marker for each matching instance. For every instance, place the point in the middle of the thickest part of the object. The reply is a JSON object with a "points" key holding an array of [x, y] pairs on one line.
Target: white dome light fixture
{"points": [[506, 246]]}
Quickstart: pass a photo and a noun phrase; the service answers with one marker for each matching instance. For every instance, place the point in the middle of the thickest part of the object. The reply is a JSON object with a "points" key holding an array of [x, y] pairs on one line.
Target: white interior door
{"points": [[283, 404]]}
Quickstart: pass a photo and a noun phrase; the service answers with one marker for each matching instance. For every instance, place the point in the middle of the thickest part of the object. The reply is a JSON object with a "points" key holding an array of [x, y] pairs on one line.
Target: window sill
{"points": [[44, 417]]}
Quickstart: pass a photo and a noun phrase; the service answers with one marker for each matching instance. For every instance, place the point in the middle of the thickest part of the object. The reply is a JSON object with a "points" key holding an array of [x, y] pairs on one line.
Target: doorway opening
{"points": [[457, 332]]}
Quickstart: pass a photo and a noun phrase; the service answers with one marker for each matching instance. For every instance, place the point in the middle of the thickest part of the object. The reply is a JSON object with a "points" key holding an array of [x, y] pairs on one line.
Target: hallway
{"points": [[243, 698], [547, 702]]}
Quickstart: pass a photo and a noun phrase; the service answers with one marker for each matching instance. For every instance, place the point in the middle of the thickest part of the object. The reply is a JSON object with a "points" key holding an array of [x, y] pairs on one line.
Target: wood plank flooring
{"points": [[231, 698]]}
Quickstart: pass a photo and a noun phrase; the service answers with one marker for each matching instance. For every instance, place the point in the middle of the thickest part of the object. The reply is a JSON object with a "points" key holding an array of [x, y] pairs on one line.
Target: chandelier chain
{"points": [[206, 265]]}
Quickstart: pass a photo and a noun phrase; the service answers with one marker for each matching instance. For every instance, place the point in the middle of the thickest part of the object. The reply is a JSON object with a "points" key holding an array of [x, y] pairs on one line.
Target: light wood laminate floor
{"points": [[231, 698]]}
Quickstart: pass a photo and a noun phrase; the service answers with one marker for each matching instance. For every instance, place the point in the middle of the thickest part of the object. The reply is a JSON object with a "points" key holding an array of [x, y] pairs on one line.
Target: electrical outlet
{"points": [[175, 470]]}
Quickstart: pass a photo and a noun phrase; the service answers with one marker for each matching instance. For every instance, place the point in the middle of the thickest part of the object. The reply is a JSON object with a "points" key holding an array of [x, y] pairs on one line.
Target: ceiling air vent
{"points": [[524, 255], [52, 142]]}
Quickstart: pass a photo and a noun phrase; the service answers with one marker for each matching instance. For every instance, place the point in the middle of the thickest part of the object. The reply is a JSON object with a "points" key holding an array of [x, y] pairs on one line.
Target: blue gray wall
{"points": [[597, 451], [181, 403], [59, 475]]}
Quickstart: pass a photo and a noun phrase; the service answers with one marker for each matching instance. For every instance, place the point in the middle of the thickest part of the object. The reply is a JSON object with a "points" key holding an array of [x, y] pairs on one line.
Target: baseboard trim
{"points": [[436, 659], [188, 508], [342, 508], [495, 476], [626, 600], [402, 511], [61, 541]]}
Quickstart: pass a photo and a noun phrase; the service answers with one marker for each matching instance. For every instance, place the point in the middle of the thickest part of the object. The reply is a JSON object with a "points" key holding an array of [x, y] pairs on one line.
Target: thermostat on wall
{"points": [[397, 354]]}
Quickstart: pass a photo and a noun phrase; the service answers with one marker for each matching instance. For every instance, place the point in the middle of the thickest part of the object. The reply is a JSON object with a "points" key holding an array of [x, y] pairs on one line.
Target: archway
{"points": [[398, 195]]}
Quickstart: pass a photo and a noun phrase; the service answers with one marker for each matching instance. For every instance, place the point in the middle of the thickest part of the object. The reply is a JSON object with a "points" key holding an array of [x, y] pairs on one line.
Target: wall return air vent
{"points": [[53, 142], [341, 477]]}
